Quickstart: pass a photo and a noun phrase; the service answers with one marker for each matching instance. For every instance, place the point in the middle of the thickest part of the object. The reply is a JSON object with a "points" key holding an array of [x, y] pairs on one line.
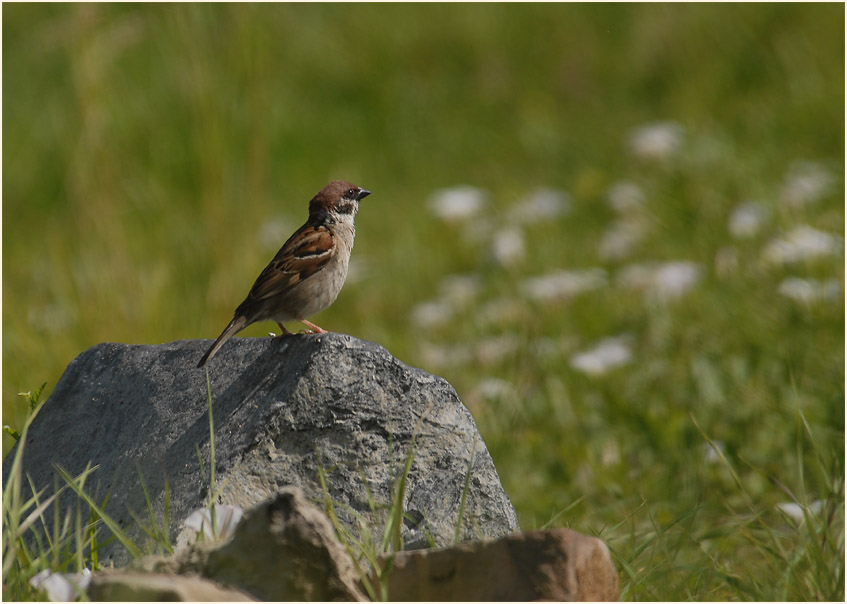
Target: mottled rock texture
{"points": [[283, 409]]}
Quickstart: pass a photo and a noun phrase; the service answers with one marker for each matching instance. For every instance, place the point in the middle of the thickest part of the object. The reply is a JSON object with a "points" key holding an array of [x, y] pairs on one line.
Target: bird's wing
{"points": [[305, 253]]}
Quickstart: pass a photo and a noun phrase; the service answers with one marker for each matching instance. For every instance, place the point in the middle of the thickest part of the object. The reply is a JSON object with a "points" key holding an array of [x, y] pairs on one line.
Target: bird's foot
{"points": [[314, 328], [285, 332]]}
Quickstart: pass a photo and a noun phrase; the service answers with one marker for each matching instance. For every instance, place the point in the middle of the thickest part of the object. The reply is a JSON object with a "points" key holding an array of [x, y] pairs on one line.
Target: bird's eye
{"points": [[351, 193]]}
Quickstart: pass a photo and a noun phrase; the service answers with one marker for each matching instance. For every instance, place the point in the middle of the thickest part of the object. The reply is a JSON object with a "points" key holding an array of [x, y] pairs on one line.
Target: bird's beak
{"points": [[363, 193]]}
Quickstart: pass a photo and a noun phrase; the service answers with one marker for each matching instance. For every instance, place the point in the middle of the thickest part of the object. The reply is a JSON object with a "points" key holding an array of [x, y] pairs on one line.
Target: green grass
{"points": [[31, 545], [155, 156]]}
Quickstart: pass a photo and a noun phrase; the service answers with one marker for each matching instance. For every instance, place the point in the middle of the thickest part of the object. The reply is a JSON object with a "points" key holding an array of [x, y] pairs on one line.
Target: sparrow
{"points": [[308, 271]]}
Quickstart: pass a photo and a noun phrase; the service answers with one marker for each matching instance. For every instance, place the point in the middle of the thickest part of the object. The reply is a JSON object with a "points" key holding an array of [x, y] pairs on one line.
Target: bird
{"points": [[308, 271]]}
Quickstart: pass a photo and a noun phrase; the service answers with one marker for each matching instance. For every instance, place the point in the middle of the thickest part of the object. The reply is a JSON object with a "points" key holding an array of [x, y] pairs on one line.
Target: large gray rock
{"points": [[282, 409]]}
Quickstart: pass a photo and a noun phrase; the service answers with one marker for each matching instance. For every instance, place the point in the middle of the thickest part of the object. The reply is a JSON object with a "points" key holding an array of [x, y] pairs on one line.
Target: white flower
{"points": [[620, 239], [456, 292], [459, 290], [564, 284], [656, 141], [542, 204], [494, 388], [427, 315], [795, 511], [747, 219], [457, 203], [808, 291], [625, 196], [712, 451], [604, 356], [611, 455], [806, 183], [508, 247], [227, 518], [663, 282], [673, 279], [496, 348], [61, 587], [802, 244]]}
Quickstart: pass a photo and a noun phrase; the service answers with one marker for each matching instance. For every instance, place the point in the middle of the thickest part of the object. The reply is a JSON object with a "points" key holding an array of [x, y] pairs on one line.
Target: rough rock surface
{"points": [[558, 565], [145, 587], [283, 408], [282, 550]]}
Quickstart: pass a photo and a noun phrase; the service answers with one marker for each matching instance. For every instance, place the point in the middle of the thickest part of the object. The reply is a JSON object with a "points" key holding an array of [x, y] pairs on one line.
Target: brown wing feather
{"points": [[305, 253]]}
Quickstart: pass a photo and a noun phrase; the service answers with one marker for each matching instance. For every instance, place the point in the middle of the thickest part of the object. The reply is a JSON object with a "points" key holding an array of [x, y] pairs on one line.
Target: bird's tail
{"points": [[236, 325]]}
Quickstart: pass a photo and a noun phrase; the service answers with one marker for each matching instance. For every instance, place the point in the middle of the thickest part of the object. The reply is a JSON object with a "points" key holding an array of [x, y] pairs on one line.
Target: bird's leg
{"points": [[314, 328], [285, 332]]}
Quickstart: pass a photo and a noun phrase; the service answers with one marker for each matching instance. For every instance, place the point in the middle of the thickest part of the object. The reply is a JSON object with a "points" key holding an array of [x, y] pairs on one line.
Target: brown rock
{"points": [[283, 549], [559, 564], [108, 586]]}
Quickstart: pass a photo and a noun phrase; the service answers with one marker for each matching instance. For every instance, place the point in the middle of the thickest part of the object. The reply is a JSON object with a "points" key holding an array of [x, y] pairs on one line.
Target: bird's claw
{"points": [[284, 333]]}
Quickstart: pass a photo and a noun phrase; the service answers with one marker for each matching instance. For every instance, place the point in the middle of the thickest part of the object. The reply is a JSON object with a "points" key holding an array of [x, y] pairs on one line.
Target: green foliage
{"points": [[164, 152], [31, 397], [56, 547], [211, 487]]}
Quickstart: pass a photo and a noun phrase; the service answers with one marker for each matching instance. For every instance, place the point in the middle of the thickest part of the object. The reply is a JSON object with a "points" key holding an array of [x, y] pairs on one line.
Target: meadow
{"points": [[617, 230]]}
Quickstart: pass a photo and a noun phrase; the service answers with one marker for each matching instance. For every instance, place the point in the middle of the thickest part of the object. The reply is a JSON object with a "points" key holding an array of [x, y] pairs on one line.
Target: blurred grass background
{"points": [[156, 156]]}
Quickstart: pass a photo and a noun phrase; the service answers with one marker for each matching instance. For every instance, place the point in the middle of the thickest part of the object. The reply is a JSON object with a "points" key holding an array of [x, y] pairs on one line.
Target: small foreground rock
{"points": [[558, 564], [119, 586], [284, 549]]}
